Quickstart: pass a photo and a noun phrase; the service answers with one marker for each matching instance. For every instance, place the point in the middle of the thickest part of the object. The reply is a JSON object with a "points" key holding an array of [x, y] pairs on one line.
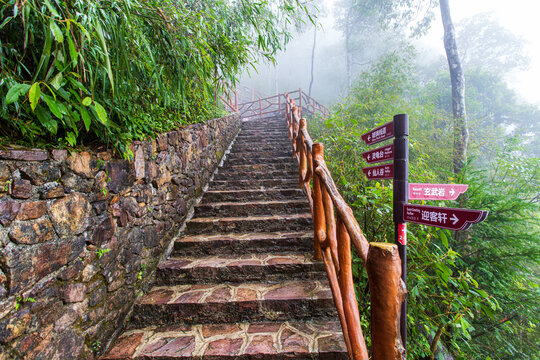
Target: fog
{"points": [[330, 80]]}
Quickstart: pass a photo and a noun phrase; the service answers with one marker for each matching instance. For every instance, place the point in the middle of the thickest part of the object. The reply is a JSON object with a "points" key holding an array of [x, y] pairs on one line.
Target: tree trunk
{"points": [[457, 78], [313, 59], [348, 50]]}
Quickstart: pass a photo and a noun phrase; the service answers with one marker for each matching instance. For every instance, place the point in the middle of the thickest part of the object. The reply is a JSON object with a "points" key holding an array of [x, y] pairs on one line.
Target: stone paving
{"points": [[241, 282]]}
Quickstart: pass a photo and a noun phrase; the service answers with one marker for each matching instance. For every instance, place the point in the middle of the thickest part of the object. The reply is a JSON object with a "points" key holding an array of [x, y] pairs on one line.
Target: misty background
{"points": [[509, 31]]}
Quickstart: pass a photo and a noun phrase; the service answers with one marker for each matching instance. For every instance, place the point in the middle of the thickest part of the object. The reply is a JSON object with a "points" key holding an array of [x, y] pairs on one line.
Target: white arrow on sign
{"points": [[369, 173], [454, 218], [452, 192]]}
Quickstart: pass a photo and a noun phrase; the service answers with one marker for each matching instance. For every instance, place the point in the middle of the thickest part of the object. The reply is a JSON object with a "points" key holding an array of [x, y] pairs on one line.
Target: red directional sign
{"points": [[436, 191], [385, 171], [446, 218], [379, 154], [379, 134]]}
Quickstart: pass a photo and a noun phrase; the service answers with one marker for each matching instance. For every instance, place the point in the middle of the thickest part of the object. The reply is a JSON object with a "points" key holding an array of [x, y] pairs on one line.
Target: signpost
{"points": [[380, 154], [379, 134], [436, 191], [379, 172], [446, 218]]}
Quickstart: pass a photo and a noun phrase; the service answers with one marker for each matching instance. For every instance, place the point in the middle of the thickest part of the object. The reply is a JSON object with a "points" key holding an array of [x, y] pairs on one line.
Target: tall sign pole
{"points": [[401, 197]]}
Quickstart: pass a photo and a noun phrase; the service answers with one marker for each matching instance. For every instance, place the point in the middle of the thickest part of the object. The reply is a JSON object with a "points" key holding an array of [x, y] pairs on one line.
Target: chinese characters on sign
{"points": [[385, 171], [379, 134], [380, 154], [436, 191], [446, 218]]}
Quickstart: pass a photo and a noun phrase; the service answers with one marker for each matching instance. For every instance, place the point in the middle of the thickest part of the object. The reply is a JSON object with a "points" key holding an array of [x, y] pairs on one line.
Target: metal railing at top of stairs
{"points": [[335, 228]]}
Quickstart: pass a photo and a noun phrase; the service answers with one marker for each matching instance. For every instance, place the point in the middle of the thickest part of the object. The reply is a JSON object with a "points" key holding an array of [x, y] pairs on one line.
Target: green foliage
{"points": [[479, 293], [113, 71], [21, 300]]}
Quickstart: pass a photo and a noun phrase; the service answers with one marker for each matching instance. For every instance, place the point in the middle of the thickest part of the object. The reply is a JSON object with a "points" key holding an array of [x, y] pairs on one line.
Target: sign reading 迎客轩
{"points": [[446, 218]]}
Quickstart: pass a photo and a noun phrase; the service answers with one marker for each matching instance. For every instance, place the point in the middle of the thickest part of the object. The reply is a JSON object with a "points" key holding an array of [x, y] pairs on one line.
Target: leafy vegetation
{"points": [[476, 295], [76, 72]]}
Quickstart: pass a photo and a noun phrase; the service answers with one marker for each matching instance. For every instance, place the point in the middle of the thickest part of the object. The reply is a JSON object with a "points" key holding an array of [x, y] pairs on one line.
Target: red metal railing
{"points": [[335, 229]]}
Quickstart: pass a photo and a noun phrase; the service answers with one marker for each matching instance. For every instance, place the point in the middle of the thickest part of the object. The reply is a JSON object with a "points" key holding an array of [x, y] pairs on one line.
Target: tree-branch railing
{"points": [[335, 229]]}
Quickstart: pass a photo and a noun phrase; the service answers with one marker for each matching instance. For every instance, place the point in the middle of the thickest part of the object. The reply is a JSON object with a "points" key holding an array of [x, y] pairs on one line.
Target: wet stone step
{"points": [[259, 167], [244, 175], [254, 302], [253, 184], [296, 222], [312, 339], [239, 268], [252, 153], [248, 243], [246, 160], [247, 195], [252, 208]]}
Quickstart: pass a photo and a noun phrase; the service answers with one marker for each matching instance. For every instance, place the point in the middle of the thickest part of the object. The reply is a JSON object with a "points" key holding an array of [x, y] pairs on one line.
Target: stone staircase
{"points": [[241, 283]]}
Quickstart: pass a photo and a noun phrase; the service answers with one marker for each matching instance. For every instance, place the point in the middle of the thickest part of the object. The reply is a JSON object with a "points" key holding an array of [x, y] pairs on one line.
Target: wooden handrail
{"points": [[335, 228]]}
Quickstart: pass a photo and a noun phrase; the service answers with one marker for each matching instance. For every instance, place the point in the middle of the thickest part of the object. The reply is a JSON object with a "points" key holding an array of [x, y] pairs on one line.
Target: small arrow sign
{"points": [[385, 171], [380, 154], [446, 218], [436, 191], [379, 134]]}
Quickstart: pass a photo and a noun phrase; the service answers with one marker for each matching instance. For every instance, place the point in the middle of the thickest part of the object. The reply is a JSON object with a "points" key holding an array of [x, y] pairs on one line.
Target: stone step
{"points": [[234, 268], [217, 303], [253, 184], [261, 147], [247, 195], [231, 166], [311, 339], [246, 160], [239, 244], [262, 137], [296, 222], [281, 133], [255, 175], [252, 153], [251, 208]]}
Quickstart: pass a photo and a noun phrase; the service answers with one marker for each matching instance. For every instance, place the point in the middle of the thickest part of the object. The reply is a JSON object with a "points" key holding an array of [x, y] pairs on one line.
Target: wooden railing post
{"points": [[350, 306], [387, 292], [319, 224], [260, 108], [303, 157]]}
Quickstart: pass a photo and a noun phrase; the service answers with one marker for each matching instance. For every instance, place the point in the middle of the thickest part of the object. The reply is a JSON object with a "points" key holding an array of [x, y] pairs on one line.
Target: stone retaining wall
{"points": [[81, 235]]}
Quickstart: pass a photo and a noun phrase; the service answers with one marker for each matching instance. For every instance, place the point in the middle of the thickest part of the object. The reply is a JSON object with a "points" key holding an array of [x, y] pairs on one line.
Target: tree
{"points": [[484, 42], [457, 79]]}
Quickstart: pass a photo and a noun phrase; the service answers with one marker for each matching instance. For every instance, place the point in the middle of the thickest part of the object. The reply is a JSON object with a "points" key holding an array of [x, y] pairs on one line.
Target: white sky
{"points": [[518, 16]]}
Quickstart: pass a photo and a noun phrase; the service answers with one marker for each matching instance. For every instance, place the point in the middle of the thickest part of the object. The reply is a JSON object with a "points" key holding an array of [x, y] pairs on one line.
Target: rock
{"points": [[70, 215], [14, 326], [30, 263], [8, 211], [71, 271], [59, 155], [162, 142], [104, 231], [5, 174], [32, 232], [88, 272], [98, 295], [81, 164], [52, 190], [151, 171], [139, 164], [24, 155], [40, 173], [75, 293], [76, 183], [21, 189], [32, 210], [164, 176], [173, 138], [118, 171]]}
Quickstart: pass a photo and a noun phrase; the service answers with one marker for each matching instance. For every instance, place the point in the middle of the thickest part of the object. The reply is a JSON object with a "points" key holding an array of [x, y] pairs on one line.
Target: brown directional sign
{"points": [[446, 218], [385, 171], [379, 154], [379, 134]]}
